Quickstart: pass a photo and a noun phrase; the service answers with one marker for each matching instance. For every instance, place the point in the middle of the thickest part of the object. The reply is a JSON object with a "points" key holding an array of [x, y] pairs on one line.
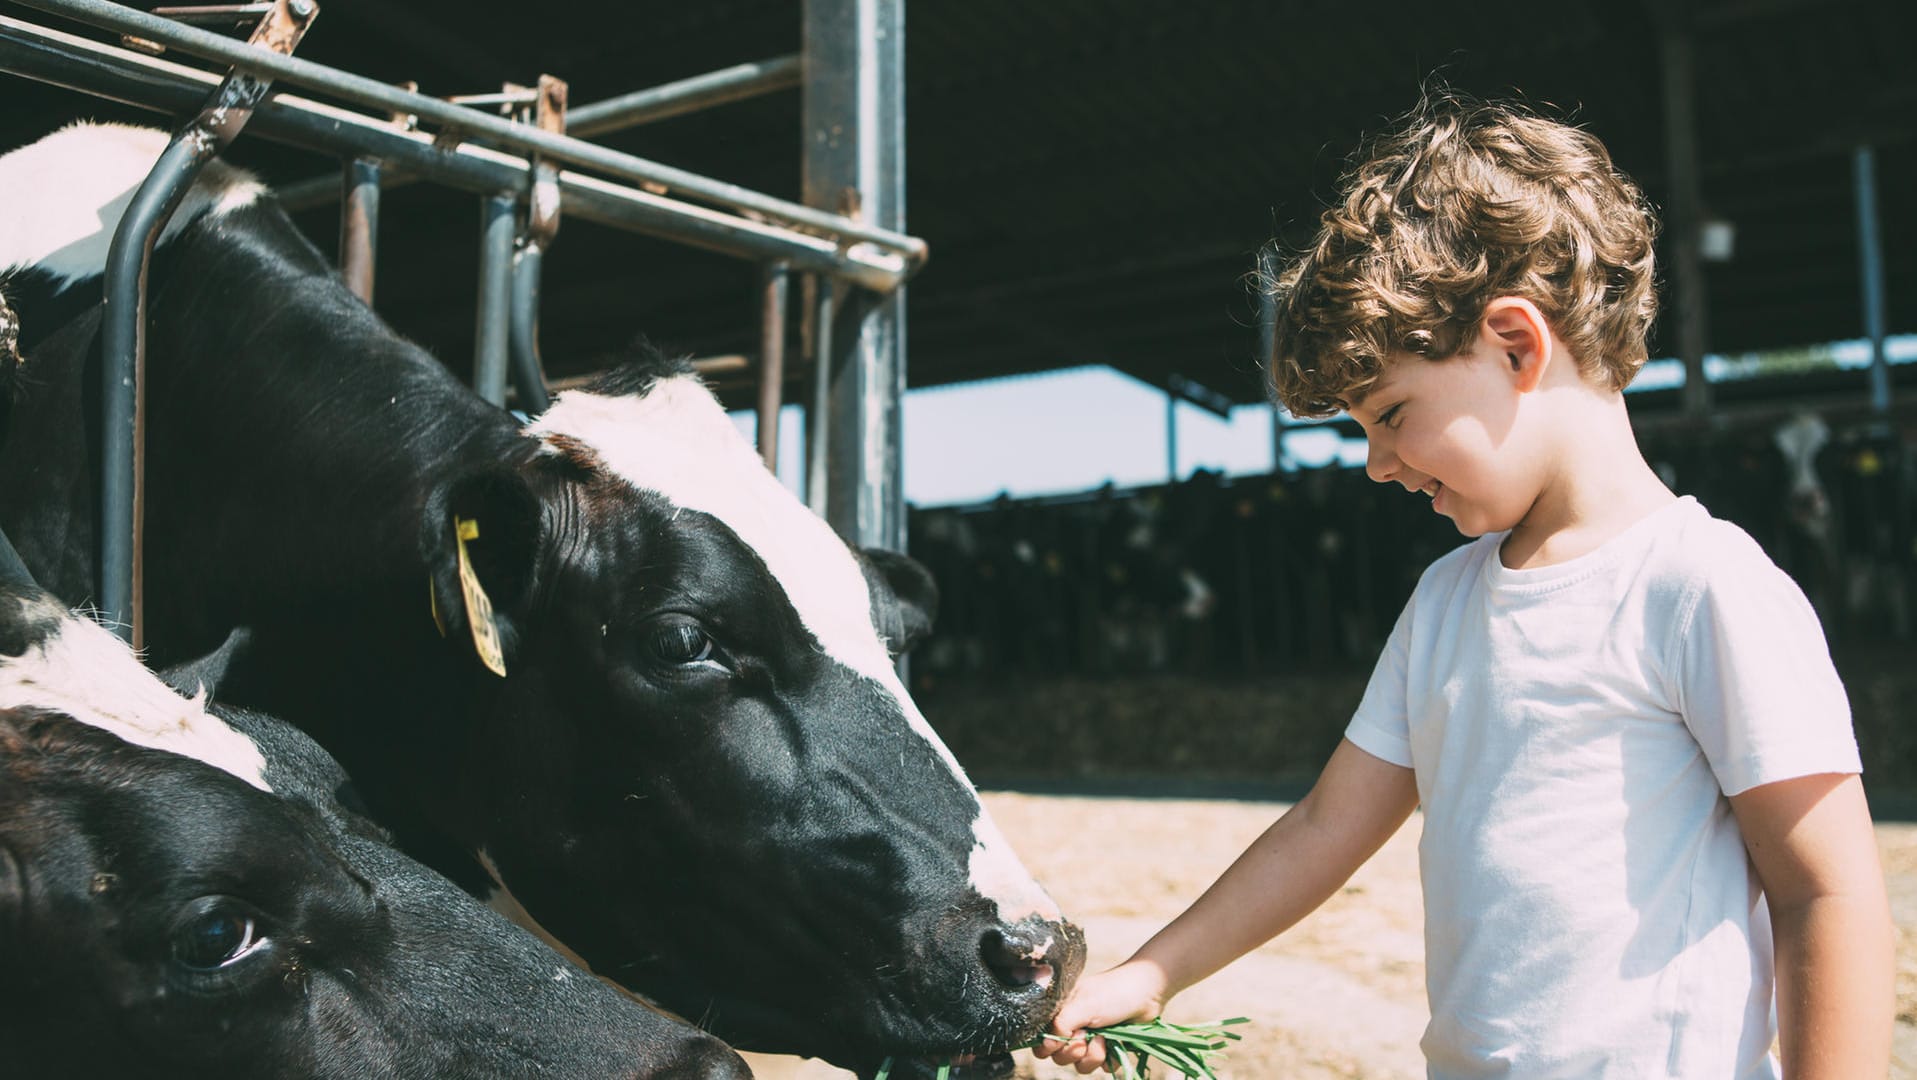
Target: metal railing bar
{"points": [[359, 225], [220, 117], [371, 93], [736, 83], [146, 82], [493, 323], [775, 287], [529, 371]]}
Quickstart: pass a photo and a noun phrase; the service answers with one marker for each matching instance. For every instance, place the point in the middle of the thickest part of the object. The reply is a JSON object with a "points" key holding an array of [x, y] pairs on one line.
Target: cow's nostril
{"points": [[1017, 959]]}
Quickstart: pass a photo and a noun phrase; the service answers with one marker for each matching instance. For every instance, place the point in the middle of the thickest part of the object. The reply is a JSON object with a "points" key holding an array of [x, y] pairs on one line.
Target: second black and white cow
{"points": [[183, 895], [699, 770]]}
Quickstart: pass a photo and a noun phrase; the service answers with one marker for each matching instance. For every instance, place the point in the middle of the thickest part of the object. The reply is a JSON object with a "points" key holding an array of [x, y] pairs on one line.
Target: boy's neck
{"points": [[1598, 487]]}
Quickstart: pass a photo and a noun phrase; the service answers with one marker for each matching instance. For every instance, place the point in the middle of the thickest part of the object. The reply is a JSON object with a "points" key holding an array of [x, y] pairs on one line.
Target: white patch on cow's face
{"points": [[65, 194], [82, 670], [677, 441], [1799, 439]]}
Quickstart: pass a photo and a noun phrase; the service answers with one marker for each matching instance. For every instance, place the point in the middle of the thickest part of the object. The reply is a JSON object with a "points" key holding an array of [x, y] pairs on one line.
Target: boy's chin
{"points": [[1473, 526]]}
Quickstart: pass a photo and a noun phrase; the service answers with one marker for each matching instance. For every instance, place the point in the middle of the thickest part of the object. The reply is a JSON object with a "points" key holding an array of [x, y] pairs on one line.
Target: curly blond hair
{"points": [[1460, 203]]}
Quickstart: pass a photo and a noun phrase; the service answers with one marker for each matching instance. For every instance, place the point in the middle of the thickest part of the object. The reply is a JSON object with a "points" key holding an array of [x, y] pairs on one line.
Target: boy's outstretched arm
{"points": [[1358, 802], [1810, 839]]}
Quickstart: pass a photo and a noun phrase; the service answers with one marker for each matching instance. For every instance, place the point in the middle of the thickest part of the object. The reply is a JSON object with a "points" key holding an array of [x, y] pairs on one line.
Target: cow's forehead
{"points": [[80, 669], [677, 442]]}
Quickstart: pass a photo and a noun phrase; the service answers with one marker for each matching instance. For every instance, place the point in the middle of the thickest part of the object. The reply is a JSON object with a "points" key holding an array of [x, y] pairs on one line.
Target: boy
{"points": [[1633, 755]]}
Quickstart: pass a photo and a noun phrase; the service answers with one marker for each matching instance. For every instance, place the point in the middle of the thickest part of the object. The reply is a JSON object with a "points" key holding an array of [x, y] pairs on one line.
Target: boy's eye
{"points": [[1389, 417]]}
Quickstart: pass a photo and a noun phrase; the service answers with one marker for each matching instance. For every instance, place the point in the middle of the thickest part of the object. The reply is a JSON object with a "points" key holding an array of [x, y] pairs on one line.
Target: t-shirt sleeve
{"points": [[1756, 682], [1381, 727]]}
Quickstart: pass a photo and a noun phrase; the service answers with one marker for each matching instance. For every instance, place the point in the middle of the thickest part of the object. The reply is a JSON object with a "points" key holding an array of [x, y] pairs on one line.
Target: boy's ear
{"points": [[1518, 331], [500, 514]]}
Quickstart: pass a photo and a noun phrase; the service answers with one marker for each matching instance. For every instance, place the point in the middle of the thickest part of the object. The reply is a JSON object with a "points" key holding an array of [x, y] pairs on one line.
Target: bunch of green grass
{"points": [[1192, 1049]]}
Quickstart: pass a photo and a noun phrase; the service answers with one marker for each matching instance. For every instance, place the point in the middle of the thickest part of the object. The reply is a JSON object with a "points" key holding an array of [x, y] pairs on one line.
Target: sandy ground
{"points": [[1342, 994]]}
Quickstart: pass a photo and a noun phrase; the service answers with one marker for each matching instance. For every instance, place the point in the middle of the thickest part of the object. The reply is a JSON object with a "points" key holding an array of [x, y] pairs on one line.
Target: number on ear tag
{"points": [[479, 610]]}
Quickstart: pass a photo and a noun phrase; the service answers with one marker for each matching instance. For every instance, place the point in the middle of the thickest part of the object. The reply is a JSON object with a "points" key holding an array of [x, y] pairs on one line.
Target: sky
{"points": [[1078, 428]]}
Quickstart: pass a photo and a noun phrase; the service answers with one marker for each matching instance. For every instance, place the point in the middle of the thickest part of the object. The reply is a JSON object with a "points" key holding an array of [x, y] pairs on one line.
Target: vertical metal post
{"points": [[359, 225], [1870, 252], [541, 226], [854, 125], [772, 326], [528, 371], [818, 416], [497, 230], [123, 378], [1171, 437], [123, 316], [1684, 217]]}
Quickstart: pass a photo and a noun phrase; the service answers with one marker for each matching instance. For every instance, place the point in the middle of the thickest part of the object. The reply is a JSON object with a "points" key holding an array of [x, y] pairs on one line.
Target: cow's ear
{"points": [[904, 596], [480, 539], [209, 673]]}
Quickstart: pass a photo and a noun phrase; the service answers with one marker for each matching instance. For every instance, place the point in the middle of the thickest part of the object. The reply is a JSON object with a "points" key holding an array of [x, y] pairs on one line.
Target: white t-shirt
{"points": [[1589, 907]]}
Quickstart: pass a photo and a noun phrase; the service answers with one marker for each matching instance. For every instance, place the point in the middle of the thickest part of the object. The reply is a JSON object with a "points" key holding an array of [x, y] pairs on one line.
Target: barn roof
{"points": [[1095, 176]]}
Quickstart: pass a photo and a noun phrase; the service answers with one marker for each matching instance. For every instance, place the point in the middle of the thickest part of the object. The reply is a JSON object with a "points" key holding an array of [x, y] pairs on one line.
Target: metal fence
{"points": [[526, 168]]}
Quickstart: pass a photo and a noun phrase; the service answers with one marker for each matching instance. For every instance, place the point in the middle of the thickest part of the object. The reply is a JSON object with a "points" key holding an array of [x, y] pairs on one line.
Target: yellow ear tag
{"points": [[479, 610]]}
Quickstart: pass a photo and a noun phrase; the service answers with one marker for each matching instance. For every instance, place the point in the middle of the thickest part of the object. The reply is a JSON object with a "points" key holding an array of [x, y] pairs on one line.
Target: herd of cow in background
{"points": [[1295, 571]]}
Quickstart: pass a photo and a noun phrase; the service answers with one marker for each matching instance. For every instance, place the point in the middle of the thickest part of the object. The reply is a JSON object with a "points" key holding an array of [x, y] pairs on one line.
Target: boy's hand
{"points": [[1132, 991]]}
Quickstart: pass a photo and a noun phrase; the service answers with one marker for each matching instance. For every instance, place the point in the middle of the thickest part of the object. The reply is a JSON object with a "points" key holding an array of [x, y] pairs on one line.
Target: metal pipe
{"points": [[854, 134], [529, 372], [123, 317], [818, 413], [123, 381], [736, 83], [1870, 254], [147, 82], [217, 14], [772, 322], [1171, 437], [497, 228], [359, 226], [1680, 155], [370, 93]]}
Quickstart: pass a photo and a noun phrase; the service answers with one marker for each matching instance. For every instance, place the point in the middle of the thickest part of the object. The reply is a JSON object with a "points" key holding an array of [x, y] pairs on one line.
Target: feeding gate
{"points": [[528, 166]]}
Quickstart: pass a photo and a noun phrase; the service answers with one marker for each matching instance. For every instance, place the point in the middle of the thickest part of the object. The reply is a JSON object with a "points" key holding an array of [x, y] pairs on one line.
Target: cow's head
{"points": [[1800, 439], [182, 896], [701, 770]]}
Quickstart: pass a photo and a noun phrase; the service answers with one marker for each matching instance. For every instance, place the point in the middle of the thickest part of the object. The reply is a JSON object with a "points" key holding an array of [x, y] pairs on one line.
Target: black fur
{"points": [[115, 857]]}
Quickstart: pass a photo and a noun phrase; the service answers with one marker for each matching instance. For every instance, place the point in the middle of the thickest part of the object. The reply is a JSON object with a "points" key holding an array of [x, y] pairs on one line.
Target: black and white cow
{"points": [[183, 895], [700, 770]]}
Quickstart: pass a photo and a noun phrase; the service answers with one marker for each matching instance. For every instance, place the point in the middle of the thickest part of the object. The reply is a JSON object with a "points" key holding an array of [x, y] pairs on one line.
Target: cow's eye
{"points": [[681, 643], [216, 938]]}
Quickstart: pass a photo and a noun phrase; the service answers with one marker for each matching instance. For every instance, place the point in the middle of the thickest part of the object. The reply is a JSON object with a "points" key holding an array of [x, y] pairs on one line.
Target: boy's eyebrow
{"points": [[1379, 387]]}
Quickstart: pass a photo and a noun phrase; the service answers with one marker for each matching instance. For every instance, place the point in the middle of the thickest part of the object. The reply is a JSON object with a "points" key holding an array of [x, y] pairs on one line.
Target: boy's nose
{"points": [[1380, 463]]}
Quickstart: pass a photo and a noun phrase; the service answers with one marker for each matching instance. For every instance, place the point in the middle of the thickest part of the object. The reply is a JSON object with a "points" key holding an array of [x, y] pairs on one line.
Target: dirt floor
{"points": [[1342, 994]]}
